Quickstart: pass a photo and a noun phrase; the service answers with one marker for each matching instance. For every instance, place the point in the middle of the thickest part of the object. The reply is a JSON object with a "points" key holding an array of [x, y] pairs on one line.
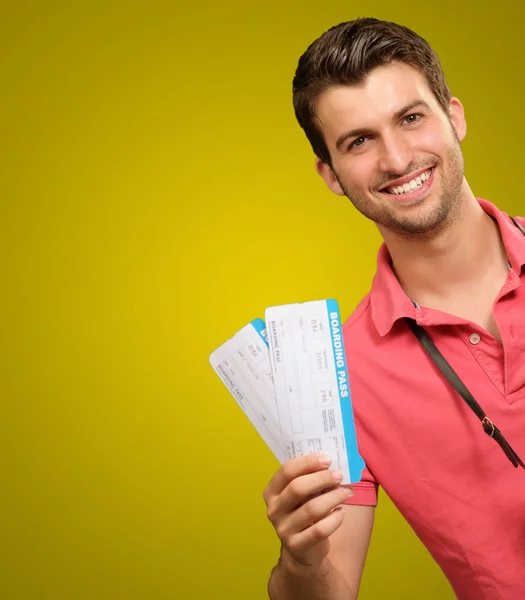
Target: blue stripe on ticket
{"points": [[260, 328], [355, 462]]}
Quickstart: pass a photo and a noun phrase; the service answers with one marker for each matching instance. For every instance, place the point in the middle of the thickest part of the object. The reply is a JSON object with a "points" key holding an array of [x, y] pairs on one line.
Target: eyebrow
{"points": [[362, 131]]}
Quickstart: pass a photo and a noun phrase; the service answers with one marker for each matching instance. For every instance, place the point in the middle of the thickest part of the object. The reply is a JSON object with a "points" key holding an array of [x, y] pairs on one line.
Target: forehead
{"points": [[372, 102]]}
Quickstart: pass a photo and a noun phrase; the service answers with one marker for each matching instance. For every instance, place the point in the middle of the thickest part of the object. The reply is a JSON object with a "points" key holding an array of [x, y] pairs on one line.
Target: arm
{"points": [[324, 544], [338, 576]]}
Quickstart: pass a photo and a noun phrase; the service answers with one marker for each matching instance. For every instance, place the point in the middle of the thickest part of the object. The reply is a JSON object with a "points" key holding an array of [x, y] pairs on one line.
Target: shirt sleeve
{"points": [[365, 492]]}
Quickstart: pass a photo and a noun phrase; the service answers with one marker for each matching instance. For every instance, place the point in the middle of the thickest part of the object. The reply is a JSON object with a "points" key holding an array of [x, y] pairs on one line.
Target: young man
{"points": [[373, 102]]}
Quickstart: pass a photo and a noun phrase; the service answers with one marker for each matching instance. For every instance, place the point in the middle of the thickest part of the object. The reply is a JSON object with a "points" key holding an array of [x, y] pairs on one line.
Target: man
{"points": [[372, 99]]}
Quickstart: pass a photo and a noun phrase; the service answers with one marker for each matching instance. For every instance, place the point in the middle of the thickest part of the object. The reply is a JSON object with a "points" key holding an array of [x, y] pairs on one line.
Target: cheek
{"points": [[360, 172], [436, 140], [431, 141]]}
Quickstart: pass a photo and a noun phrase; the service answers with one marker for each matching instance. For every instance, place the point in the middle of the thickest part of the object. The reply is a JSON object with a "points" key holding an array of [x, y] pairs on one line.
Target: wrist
{"points": [[294, 567]]}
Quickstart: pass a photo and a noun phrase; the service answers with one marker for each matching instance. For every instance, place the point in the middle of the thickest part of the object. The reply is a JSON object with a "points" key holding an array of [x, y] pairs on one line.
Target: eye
{"points": [[357, 142], [412, 118]]}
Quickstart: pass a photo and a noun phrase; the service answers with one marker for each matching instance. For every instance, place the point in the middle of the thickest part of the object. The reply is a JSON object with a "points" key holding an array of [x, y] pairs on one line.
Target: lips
{"points": [[411, 185], [407, 183], [397, 191]]}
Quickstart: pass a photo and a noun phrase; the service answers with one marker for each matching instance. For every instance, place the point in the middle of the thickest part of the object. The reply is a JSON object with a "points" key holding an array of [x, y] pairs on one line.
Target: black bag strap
{"points": [[519, 226], [453, 378], [441, 362]]}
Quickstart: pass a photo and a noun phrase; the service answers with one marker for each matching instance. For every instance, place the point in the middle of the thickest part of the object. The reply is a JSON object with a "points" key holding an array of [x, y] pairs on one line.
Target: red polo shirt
{"points": [[425, 446]]}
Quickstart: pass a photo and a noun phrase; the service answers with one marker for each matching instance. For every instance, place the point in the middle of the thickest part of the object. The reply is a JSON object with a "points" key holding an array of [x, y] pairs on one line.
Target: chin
{"points": [[424, 225]]}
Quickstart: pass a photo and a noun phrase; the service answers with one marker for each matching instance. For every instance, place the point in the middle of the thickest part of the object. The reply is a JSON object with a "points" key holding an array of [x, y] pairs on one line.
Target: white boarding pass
{"points": [[311, 384], [243, 364]]}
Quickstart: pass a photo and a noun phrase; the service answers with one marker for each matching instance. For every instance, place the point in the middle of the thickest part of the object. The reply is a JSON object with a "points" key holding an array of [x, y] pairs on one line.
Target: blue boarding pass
{"points": [[243, 364], [311, 384]]}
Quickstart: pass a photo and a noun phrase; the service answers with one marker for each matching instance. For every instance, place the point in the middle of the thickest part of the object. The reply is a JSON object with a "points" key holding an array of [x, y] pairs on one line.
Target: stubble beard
{"points": [[424, 223]]}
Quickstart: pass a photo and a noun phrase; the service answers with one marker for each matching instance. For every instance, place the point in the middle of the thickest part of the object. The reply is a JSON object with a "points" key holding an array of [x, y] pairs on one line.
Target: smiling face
{"points": [[395, 153]]}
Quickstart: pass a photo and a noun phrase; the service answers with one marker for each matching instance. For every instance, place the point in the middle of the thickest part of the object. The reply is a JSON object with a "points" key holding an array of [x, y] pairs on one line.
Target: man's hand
{"points": [[302, 500]]}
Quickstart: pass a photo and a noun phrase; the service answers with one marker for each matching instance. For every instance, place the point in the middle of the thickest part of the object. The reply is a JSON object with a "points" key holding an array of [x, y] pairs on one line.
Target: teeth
{"points": [[411, 185]]}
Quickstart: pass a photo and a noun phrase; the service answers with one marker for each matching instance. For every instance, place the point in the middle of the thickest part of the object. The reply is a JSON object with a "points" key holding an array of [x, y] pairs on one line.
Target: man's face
{"points": [[395, 153]]}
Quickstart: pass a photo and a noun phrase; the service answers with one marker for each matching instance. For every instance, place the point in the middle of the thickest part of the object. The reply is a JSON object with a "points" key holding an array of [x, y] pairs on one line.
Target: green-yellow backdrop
{"points": [[156, 195]]}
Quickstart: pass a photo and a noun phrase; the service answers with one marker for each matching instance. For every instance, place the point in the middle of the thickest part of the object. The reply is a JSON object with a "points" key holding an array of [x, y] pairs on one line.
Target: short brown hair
{"points": [[346, 54]]}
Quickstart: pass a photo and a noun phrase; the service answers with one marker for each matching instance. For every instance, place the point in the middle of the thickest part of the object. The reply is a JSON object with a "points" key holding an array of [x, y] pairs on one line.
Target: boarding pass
{"points": [[311, 384], [297, 395], [243, 364]]}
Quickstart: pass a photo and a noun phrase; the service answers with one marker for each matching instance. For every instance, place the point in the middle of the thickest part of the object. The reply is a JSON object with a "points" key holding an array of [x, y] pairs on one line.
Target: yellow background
{"points": [[156, 195]]}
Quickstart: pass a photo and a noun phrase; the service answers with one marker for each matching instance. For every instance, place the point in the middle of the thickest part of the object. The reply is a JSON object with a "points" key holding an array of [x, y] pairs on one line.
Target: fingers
{"points": [[301, 543], [303, 499], [302, 488], [292, 469], [312, 513]]}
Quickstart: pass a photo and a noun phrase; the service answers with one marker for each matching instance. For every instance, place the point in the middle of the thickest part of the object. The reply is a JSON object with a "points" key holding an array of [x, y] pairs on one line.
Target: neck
{"points": [[464, 253]]}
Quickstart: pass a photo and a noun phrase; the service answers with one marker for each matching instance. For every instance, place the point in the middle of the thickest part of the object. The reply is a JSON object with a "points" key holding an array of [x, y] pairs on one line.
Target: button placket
{"points": [[488, 354]]}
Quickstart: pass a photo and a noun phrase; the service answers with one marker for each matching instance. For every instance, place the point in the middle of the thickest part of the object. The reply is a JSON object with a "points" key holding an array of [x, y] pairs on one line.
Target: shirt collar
{"points": [[512, 237], [389, 302]]}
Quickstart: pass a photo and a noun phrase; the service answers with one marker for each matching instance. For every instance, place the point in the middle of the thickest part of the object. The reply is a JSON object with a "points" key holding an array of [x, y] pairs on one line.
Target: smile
{"points": [[411, 190], [411, 185]]}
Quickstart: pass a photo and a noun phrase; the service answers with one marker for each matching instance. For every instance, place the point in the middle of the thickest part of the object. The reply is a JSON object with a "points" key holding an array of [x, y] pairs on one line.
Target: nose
{"points": [[395, 154]]}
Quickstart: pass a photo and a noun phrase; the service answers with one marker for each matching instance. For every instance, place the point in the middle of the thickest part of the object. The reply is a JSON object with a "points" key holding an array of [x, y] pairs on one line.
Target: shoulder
{"points": [[357, 315]]}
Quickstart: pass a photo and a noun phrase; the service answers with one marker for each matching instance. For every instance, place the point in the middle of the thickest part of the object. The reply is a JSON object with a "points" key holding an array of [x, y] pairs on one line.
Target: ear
{"points": [[457, 117], [325, 171]]}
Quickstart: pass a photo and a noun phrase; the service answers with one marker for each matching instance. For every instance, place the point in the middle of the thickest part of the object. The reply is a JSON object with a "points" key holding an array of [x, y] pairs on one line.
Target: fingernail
{"points": [[325, 460], [348, 491], [337, 475]]}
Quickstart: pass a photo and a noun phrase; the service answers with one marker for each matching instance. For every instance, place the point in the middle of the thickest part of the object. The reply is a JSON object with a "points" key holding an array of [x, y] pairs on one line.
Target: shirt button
{"points": [[474, 338]]}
